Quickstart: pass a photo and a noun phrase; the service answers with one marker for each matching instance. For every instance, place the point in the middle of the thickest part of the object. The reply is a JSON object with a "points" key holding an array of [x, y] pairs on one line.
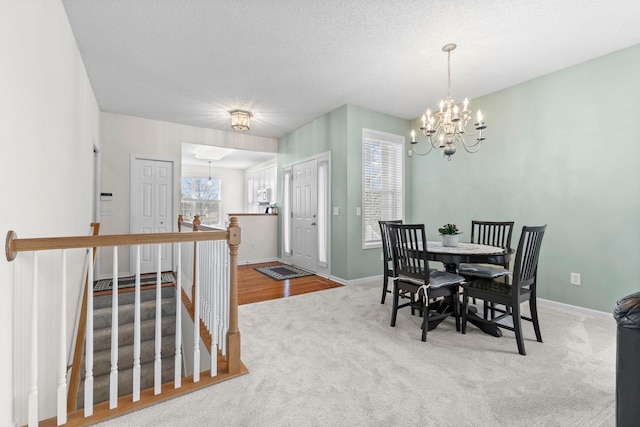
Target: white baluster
{"points": [[226, 289], [196, 319], [33, 389], [113, 376], [88, 357], [157, 364], [177, 368], [136, 331], [62, 349]]}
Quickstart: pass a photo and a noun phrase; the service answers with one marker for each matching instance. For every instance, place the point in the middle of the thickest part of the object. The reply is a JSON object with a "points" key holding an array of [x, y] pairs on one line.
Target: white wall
{"points": [[49, 127], [124, 136]]}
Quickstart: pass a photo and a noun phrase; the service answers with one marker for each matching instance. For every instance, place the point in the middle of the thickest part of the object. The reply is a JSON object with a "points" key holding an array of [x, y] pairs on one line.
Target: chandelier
{"points": [[240, 119], [447, 127], [209, 181]]}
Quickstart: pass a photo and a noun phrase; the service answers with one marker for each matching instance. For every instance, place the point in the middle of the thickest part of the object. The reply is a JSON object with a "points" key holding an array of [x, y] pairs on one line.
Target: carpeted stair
{"points": [[102, 342]]}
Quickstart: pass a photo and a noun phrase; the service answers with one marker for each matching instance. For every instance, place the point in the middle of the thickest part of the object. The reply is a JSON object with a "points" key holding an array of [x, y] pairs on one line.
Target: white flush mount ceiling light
{"points": [[240, 120], [448, 126]]}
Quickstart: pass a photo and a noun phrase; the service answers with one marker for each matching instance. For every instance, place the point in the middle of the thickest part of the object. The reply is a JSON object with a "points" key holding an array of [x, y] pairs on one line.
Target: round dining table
{"points": [[452, 257], [469, 253]]}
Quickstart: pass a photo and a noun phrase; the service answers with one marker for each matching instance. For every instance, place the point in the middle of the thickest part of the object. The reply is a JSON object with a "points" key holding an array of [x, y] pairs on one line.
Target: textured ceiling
{"points": [[289, 62]]}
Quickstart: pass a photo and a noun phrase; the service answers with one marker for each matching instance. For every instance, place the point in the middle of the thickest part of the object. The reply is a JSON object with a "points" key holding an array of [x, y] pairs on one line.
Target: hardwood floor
{"points": [[255, 287]]}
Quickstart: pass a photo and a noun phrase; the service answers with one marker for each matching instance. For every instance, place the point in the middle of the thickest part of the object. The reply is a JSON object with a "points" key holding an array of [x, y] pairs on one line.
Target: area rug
{"points": [[130, 281], [283, 272]]}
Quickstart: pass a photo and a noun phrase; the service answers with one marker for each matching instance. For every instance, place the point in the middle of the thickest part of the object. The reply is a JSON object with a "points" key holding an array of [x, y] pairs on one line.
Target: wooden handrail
{"points": [[15, 245]]}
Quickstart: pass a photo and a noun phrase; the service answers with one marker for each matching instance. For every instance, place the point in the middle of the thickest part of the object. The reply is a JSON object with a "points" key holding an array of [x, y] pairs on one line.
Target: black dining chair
{"points": [[492, 233], [522, 288], [387, 261], [411, 274]]}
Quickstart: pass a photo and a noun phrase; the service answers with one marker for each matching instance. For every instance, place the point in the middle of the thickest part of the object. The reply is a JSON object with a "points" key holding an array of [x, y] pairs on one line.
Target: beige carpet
{"points": [[330, 359]]}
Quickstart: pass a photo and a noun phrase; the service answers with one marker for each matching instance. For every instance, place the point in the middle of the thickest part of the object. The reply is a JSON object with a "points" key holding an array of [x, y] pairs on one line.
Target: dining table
{"points": [[452, 256]]}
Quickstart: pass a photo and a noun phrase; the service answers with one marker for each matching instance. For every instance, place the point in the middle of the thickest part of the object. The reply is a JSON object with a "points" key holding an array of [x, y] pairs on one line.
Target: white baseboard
{"points": [[257, 261], [576, 308], [355, 281]]}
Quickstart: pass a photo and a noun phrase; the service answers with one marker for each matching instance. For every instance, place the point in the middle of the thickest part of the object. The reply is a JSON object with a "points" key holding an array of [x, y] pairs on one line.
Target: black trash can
{"points": [[627, 314]]}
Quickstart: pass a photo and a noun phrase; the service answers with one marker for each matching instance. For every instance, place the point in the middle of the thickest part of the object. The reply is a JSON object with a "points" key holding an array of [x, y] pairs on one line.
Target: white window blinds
{"points": [[382, 182]]}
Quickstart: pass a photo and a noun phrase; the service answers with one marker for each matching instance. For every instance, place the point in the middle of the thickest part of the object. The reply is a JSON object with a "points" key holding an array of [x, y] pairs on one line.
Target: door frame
{"points": [[323, 269], [174, 205]]}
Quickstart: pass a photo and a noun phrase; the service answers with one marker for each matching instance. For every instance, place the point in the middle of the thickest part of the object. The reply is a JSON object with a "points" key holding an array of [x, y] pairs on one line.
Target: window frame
{"points": [[395, 143], [194, 200]]}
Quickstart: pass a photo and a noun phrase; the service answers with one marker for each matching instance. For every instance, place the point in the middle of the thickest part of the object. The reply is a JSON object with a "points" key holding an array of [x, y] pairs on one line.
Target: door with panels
{"points": [[304, 242], [152, 210]]}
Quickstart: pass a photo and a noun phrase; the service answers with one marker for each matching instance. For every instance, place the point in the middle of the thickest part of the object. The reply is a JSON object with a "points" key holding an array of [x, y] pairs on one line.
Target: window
{"points": [[382, 182], [198, 198], [286, 211]]}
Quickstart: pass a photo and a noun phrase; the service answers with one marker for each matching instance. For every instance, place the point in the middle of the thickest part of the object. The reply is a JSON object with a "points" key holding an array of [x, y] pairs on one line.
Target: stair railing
{"points": [[14, 245], [209, 293]]}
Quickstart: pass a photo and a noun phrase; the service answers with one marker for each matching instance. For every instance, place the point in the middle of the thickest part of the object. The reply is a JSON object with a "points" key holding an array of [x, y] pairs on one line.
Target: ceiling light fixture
{"points": [[451, 122], [240, 120], [210, 181]]}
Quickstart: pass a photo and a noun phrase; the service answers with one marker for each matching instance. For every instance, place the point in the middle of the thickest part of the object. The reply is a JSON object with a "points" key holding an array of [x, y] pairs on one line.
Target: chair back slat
{"points": [[526, 266], [493, 233], [384, 235], [409, 255]]}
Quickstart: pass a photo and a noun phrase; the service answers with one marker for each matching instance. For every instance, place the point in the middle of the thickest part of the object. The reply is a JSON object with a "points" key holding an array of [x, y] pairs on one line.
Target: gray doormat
{"points": [[283, 272], [130, 281]]}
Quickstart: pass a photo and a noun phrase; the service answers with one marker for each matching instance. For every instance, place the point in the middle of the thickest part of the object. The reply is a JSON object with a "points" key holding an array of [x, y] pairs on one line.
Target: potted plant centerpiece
{"points": [[449, 233]]}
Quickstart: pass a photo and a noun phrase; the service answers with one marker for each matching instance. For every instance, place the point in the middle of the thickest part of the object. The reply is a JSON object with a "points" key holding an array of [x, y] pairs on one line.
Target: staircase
{"points": [[102, 341]]}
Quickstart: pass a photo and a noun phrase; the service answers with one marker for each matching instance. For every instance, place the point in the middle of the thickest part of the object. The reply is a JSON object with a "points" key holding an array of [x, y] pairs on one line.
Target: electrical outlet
{"points": [[358, 211], [253, 246], [575, 279]]}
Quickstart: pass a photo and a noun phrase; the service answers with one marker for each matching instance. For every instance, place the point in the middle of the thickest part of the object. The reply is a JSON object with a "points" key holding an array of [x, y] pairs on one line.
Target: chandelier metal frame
{"points": [[447, 127]]}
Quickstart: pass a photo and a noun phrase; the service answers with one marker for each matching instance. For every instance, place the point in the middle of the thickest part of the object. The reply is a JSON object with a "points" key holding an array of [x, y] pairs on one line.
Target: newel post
{"points": [[180, 219], [233, 335]]}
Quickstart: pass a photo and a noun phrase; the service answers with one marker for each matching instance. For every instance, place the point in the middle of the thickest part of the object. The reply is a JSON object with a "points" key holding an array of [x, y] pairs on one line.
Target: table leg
{"points": [[472, 317]]}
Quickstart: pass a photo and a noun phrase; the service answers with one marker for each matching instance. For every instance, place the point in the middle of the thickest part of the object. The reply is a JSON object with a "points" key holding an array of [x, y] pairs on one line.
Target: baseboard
{"points": [[258, 261], [352, 282], [576, 308]]}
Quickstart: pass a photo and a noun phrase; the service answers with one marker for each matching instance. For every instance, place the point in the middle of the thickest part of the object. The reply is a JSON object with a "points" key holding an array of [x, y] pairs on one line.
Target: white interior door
{"points": [[304, 242], [152, 208]]}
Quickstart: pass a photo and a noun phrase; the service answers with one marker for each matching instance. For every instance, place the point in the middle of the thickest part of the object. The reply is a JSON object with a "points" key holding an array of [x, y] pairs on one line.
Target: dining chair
{"points": [[492, 233], [387, 260], [522, 288], [411, 274]]}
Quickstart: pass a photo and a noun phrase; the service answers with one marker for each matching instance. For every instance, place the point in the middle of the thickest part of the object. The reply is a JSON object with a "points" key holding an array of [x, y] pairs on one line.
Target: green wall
{"points": [[340, 132], [561, 150]]}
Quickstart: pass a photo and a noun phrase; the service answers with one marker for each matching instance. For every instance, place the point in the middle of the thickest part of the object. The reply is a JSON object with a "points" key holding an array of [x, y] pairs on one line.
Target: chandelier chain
{"points": [[449, 74]]}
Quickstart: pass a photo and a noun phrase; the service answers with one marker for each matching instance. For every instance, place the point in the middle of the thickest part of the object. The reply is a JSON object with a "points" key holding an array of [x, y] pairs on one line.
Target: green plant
{"points": [[449, 229]]}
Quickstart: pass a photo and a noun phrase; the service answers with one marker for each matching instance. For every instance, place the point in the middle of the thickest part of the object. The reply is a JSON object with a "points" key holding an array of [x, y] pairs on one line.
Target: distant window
{"points": [[198, 198], [382, 183]]}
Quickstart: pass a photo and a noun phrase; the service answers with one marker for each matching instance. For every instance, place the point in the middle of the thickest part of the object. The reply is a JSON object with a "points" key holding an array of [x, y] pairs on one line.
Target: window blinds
{"points": [[382, 182]]}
